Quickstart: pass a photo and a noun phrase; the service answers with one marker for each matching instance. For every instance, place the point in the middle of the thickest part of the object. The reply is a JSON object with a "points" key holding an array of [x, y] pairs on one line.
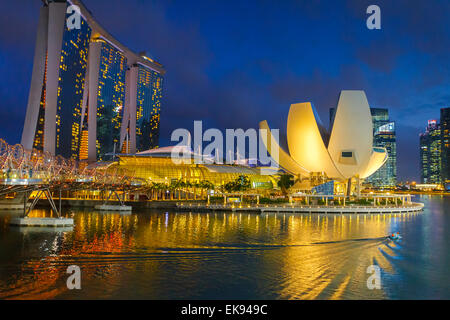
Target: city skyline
{"points": [[434, 150], [273, 75]]}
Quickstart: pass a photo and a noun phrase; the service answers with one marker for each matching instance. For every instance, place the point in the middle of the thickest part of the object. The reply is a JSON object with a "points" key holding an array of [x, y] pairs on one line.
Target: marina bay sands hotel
{"points": [[90, 96]]}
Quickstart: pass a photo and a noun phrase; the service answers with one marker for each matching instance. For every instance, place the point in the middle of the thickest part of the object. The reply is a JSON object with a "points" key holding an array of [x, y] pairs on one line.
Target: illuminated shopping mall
{"points": [[158, 166]]}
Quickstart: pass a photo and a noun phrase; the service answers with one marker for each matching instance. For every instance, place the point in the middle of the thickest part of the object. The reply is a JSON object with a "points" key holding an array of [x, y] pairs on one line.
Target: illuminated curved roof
{"points": [[167, 150], [99, 32], [284, 160], [377, 159], [174, 152], [352, 131], [230, 169], [305, 141], [346, 152], [164, 170]]}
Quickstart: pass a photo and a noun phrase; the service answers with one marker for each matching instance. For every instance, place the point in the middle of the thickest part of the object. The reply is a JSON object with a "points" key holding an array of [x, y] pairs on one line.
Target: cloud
{"points": [[18, 25], [321, 89], [380, 56]]}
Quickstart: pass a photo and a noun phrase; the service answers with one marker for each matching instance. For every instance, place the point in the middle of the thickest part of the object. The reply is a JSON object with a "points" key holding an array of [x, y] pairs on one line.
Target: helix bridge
{"points": [[24, 173]]}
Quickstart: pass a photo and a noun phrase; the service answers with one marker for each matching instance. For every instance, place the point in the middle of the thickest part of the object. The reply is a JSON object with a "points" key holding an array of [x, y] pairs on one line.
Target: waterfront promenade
{"points": [[292, 208]]}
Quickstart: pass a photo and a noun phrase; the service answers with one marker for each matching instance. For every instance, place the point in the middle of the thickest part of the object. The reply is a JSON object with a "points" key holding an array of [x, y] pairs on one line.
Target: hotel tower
{"points": [[90, 96]]}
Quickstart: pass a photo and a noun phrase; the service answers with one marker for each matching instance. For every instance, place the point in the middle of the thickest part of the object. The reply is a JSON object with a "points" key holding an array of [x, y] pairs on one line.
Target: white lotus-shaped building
{"points": [[345, 152]]}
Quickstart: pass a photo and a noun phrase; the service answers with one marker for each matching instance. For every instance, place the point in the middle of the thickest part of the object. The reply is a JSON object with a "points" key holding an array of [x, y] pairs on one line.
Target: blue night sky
{"points": [[233, 63]]}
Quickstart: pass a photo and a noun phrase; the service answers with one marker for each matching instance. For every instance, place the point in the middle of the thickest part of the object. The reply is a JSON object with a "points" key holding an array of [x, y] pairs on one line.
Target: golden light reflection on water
{"points": [[160, 255]]}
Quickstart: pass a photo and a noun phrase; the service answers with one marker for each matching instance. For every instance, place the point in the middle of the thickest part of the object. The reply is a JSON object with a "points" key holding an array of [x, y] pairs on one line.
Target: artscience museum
{"points": [[344, 153]]}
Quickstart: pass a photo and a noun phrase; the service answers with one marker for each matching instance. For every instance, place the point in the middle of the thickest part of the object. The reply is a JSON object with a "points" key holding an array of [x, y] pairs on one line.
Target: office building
{"points": [[445, 144], [430, 153], [384, 136]]}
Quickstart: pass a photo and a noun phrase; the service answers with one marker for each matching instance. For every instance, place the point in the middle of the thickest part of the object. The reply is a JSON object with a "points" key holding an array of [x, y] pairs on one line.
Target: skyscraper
{"points": [[72, 70], [424, 155], [445, 143], [149, 94], [384, 136], [89, 93], [430, 153], [145, 96], [110, 98]]}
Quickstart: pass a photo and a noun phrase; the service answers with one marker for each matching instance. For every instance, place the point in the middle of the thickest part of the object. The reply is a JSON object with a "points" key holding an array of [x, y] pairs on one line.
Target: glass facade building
{"points": [[160, 169], [435, 150], [424, 155], [148, 108], [430, 153], [384, 136], [110, 100], [445, 143], [38, 139], [72, 70]]}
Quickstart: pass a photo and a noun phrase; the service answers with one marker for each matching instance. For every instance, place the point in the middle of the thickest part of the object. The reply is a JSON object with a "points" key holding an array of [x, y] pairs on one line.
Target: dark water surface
{"points": [[159, 255]]}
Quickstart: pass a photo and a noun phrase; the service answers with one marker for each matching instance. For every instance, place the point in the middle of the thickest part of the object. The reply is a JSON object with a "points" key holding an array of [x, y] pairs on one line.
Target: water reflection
{"points": [[166, 255]]}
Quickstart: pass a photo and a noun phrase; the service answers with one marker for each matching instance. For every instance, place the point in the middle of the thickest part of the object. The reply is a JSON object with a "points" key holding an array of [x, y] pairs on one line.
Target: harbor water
{"points": [[158, 254]]}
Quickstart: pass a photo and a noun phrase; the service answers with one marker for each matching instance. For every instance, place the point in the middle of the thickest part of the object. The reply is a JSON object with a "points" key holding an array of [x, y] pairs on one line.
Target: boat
{"points": [[395, 236]]}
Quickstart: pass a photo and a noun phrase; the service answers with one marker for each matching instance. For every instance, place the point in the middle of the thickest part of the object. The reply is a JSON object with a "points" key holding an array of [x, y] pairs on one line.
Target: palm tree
{"points": [[286, 181], [174, 186], [188, 186], [196, 185], [183, 188], [206, 185], [152, 190], [158, 187], [243, 183]]}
